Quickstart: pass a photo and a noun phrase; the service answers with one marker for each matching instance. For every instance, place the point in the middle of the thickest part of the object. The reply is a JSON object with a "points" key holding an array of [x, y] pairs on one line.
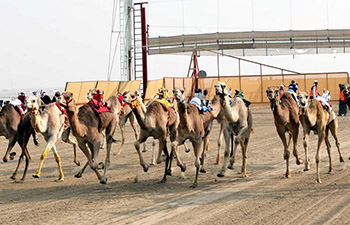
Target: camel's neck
{"points": [[75, 123], [230, 112], [310, 115], [39, 121], [140, 117], [215, 104]]}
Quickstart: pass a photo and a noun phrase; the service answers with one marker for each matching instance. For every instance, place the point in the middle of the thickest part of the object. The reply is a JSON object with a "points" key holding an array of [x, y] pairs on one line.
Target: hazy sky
{"points": [[46, 43]]}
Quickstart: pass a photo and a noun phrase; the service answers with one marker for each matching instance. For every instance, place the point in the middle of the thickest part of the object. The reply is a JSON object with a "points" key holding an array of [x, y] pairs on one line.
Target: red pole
{"points": [[144, 49]]}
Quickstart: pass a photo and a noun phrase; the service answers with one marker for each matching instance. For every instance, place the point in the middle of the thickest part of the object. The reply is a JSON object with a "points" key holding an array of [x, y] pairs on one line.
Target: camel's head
{"points": [[178, 94], [302, 97], [32, 103], [272, 93], [345, 88], [220, 89], [132, 99], [67, 101]]}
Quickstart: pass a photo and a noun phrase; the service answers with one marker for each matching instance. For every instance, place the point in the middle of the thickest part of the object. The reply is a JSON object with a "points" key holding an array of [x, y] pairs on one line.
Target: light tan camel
{"points": [[286, 121], [155, 121], [87, 127], [9, 121], [191, 127], [314, 118], [51, 124], [238, 121]]}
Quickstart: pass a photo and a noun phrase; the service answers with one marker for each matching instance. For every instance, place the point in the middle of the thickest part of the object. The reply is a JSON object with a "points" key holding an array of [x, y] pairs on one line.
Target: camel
{"points": [[87, 127], [314, 118], [195, 127], [238, 121], [51, 124], [286, 121], [9, 121], [25, 130], [155, 121]]}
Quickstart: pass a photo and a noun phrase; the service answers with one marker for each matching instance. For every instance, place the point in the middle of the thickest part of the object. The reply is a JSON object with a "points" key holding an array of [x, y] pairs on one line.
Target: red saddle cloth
{"points": [[98, 107]]}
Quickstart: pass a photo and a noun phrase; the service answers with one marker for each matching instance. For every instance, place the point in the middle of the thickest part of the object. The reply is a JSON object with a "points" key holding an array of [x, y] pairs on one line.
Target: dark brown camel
{"points": [[86, 126], [9, 121]]}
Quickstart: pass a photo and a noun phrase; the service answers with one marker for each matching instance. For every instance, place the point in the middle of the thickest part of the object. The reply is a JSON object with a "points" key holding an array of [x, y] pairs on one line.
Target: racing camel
{"points": [[315, 118], [52, 123], [286, 119], [238, 121], [87, 127]]}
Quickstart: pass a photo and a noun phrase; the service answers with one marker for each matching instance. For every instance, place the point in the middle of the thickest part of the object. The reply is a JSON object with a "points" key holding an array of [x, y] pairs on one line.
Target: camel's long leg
{"points": [[227, 152], [162, 145], [80, 173], [50, 142], [58, 160], [245, 156], [233, 152], [289, 140], [306, 148], [143, 137], [68, 139], [218, 159], [334, 131], [294, 135], [317, 157], [174, 146], [205, 148], [20, 159], [26, 153], [153, 160], [12, 142], [286, 150], [328, 146], [198, 148], [93, 165]]}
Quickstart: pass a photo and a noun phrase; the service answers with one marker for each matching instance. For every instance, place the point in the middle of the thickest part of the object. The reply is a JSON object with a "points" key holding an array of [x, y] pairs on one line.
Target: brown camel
{"points": [[314, 118], [286, 121], [51, 124], [155, 122], [87, 127], [194, 127], [9, 121], [238, 122]]}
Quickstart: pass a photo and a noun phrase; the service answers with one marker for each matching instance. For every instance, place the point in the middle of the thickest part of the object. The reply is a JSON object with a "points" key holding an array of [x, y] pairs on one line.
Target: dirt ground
{"points": [[265, 197]]}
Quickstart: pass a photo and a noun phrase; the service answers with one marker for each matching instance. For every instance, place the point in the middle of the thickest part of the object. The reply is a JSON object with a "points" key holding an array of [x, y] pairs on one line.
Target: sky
{"points": [[44, 44]]}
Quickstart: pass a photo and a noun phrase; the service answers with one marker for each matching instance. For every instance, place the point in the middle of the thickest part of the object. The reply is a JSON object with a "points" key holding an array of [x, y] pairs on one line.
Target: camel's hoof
{"points": [[101, 165], [60, 179], [202, 170], [244, 176], [306, 169], [230, 167], [330, 172], [220, 174], [36, 175], [13, 177], [300, 161], [12, 155], [287, 176], [144, 150], [78, 175], [168, 172], [187, 150], [5, 159], [103, 180], [318, 181], [152, 164], [77, 163], [341, 159], [163, 180], [183, 167], [145, 168], [194, 185]]}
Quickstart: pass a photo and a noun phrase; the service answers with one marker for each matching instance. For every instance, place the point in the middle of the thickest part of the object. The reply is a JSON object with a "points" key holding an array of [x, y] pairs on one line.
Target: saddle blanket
{"points": [[98, 107]]}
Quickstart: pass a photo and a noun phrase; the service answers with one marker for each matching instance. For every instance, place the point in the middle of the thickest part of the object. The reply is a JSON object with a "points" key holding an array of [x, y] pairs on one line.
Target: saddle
{"points": [[20, 110], [64, 113], [98, 108]]}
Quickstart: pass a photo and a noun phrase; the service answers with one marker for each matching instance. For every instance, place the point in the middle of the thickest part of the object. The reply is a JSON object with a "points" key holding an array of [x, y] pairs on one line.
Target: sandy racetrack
{"points": [[265, 197]]}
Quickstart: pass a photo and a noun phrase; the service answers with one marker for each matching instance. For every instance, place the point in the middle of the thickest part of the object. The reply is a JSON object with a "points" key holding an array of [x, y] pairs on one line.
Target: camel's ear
{"points": [[267, 91], [182, 91]]}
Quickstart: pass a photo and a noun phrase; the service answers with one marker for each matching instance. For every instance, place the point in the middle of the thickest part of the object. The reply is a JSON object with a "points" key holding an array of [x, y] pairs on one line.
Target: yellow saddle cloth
{"points": [[165, 103]]}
